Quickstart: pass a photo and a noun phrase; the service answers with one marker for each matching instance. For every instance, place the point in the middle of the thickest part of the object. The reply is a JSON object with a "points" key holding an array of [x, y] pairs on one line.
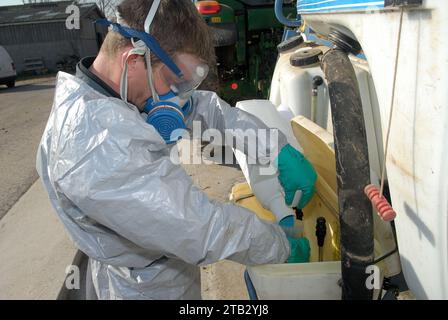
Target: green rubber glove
{"points": [[300, 250], [295, 173], [300, 247]]}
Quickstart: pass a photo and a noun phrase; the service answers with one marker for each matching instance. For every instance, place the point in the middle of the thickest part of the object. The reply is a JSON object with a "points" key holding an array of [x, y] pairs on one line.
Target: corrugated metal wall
{"points": [[50, 41], [39, 32]]}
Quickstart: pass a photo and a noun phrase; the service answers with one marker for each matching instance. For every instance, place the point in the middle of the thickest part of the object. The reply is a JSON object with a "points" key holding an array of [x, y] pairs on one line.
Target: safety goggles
{"points": [[194, 71]]}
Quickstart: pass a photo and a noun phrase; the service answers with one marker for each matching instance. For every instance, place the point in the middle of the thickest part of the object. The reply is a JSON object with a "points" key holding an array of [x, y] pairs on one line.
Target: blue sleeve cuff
{"points": [[287, 222]]}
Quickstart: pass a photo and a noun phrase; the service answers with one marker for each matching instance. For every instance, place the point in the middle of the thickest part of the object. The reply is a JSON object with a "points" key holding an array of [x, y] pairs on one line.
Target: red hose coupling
{"points": [[382, 206]]}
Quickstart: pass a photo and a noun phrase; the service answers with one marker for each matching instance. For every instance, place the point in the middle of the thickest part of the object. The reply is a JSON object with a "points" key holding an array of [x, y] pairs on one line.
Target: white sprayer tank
{"points": [[417, 161]]}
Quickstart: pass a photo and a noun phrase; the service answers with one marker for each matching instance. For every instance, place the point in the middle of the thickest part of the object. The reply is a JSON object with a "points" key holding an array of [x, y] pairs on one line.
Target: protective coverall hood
{"points": [[136, 214]]}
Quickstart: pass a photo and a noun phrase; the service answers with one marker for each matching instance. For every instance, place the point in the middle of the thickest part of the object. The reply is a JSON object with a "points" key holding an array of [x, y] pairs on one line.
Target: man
{"points": [[104, 160]]}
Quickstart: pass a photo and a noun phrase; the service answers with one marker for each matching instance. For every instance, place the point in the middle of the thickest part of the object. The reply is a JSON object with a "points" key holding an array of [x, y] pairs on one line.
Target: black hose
{"points": [[353, 173]]}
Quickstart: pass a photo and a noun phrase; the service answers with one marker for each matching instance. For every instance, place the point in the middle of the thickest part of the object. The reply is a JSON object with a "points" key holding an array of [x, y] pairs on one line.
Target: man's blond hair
{"points": [[177, 26]]}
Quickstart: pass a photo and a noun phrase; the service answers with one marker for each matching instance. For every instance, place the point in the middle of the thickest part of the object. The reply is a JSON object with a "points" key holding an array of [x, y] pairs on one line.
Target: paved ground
{"points": [[35, 249], [222, 280], [23, 114]]}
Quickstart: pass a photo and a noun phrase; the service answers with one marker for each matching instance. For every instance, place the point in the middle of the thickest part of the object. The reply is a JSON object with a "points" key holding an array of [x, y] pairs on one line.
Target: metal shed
{"points": [[36, 35]]}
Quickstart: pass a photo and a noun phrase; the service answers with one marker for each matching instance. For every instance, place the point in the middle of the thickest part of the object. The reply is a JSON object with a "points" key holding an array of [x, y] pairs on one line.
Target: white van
{"points": [[8, 72]]}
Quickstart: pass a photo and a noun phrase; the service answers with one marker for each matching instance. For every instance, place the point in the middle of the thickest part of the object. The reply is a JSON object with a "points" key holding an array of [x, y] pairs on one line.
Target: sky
{"points": [[10, 2]]}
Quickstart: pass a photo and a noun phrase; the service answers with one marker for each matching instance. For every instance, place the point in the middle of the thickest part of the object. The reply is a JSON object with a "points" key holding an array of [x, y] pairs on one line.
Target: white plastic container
{"points": [[297, 281], [291, 88]]}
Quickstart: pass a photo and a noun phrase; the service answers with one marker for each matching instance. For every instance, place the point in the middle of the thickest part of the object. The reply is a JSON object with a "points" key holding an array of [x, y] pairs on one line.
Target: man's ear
{"points": [[129, 59], [132, 62]]}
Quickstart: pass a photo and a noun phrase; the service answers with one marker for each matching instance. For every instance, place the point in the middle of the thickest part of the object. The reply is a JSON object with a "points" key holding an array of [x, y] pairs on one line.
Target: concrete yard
{"points": [[222, 280], [35, 249], [23, 114]]}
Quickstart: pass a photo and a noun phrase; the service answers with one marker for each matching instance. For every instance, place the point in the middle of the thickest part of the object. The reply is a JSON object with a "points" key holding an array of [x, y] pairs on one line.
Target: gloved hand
{"points": [[300, 247], [295, 173], [300, 250]]}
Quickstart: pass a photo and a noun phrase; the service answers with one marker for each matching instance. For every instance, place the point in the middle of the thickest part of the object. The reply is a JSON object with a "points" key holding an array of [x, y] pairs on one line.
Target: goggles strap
{"points": [[147, 26], [151, 14], [149, 41]]}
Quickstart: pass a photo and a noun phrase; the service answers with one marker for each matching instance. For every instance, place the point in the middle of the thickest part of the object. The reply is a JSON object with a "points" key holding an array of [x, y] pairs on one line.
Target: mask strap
{"points": [[147, 57], [124, 81], [124, 74]]}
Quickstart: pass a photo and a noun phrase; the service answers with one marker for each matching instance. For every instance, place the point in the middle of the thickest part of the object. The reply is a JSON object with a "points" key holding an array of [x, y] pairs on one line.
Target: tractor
{"points": [[245, 35]]}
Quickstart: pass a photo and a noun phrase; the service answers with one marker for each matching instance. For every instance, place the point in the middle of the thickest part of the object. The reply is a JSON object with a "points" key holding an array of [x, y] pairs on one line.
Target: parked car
{"points": [[8, 72]]}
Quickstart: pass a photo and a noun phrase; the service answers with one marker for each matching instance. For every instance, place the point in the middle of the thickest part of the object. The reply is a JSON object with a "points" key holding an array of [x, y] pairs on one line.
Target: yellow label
{"points": [[216, 19]]}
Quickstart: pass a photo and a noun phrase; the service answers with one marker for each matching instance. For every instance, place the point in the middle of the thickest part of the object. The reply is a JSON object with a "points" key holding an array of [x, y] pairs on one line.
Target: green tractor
{"points": [[245, 35]]}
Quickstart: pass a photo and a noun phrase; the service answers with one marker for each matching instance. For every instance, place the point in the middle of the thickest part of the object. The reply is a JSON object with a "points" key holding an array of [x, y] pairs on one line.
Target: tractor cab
{"points": [[245, 35]]}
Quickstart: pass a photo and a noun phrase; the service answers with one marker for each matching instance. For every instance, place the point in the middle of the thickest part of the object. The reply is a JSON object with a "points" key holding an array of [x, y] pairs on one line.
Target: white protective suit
{"points": [[144, 225]]}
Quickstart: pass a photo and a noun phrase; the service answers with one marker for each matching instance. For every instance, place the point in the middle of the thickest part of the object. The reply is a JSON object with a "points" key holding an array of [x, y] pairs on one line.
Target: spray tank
{"points": [[357, 86]]}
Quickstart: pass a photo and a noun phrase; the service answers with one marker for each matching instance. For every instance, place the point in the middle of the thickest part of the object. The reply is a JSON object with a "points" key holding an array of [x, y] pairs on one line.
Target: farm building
{"points": [[38, 40]]}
